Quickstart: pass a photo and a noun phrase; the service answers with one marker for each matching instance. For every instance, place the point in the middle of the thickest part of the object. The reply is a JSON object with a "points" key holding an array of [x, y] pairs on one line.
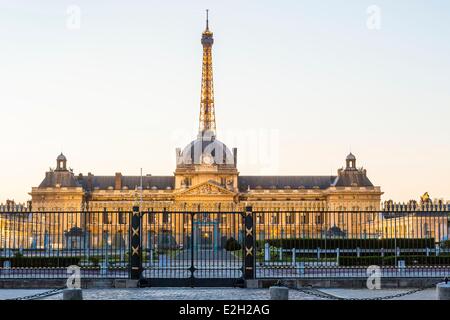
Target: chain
{"points": [[323, 295], [40, 295]]}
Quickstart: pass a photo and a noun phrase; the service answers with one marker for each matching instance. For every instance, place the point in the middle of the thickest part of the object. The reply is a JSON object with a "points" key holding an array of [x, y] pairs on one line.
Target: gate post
{"points": [[249, 241], [135, 244]]}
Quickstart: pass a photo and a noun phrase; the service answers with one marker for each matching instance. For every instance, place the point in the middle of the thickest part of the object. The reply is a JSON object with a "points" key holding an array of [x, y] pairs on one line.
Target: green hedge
{"points": [[41, 262], [349, 243], [390, 260], [446, 244]]}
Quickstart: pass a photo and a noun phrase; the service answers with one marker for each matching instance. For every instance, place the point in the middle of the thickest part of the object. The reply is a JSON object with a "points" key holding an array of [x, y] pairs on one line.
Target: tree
{"points": [[232, 245]]}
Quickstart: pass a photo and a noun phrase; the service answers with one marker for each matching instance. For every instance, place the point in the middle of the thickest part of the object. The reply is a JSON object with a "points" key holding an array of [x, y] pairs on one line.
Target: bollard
{"points": [[443, 291], [279, 293], [72, 294]]}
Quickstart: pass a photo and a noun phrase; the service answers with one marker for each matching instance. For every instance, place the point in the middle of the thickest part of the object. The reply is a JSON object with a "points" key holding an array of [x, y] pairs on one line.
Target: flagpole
{"points": [[141, 190]]}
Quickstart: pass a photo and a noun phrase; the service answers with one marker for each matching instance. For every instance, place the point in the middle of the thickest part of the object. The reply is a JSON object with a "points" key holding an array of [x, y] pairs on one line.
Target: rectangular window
{"points": [[166, 217], [290, 218], [151, 218], [260, 218], [122, 217], [319, 219], [275, 218], [304, 218], [106, 217]]}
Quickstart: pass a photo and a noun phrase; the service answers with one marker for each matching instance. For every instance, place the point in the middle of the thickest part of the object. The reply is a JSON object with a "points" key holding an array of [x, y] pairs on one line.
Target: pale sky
{"points": [[298, 84]]}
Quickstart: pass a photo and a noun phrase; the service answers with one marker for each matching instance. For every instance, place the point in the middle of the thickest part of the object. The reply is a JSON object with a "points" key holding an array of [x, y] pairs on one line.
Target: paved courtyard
{"points": [[216, 294]]}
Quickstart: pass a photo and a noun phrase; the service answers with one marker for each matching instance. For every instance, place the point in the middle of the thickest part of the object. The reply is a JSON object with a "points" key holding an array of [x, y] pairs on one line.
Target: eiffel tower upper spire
{"points": [[207, 115]]}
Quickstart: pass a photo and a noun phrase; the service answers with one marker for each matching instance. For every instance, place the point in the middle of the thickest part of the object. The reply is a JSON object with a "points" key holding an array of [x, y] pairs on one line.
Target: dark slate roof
{"points": [[194, 151], [61, 157], [422, 214], [62, 178], [131, 182], [351, 156], [353, 178], [281, 182]]}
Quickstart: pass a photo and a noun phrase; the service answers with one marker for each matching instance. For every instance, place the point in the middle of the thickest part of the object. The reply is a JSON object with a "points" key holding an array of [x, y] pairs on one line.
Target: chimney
{"points": [[118, 181], [235, 156], [90, 182]]}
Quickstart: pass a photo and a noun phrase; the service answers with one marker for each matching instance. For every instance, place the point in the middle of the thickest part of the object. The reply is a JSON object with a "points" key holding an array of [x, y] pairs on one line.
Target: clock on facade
{"points": [[207, 159]]}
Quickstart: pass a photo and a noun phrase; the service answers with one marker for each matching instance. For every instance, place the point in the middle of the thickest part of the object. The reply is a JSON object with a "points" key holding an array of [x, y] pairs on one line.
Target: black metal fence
{"points": [[336, 244], [44, 244], [192, 248]]}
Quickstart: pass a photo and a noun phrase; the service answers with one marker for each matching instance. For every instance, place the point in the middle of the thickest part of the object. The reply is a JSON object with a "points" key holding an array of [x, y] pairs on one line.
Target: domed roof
{"points": [[351, 157], [207, 150], [61, 157]]}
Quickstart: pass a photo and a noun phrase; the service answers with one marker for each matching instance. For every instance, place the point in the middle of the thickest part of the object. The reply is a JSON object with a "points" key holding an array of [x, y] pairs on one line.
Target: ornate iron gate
{"points": [[191, 248]]}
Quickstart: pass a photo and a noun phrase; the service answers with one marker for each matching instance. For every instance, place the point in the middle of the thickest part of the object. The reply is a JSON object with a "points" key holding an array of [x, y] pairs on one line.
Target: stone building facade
{"points": [[207, 179]]}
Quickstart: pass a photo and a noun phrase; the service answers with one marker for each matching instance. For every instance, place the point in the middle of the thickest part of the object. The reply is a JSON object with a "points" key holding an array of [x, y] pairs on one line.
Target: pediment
{"points": [[208, 188]]}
